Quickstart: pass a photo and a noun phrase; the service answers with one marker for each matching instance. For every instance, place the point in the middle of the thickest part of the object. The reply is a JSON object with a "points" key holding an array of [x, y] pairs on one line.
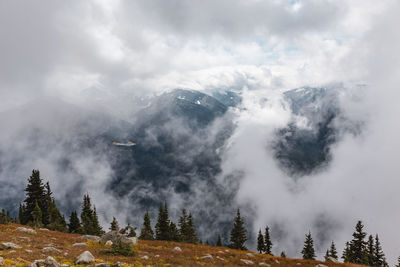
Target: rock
{"points": [[85, 257], [157, 256], [298, 263], [321, 265], [222, 259], [247, 262], [114, 236], [277, 261], [118, 264], [1, 261], [91, 237], [264, 264], [64, 265], [208, 256], [9, 245], [227, 250], [26, 230], [221, 252], [104, 264], [177, 249], [249, 255], [44, 229], [50, 250], [332, 260], [28, 251], [11, 251], [80, 245], [27, 239], [32, 264], [51, 262], [145, 257], [109, 243]]}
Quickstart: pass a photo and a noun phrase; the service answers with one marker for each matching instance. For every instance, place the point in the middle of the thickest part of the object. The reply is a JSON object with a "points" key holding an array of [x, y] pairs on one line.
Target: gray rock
{"points": [[64, 265], [264, 264], [145, 257], [157, 256], [321, 265], [51, 262], [108, 243], [26, 230], [208, 256], [85, 257], [221, 259], [80, 245], [91, 237], [28, 251], [115, 236], [104, 264], [277, 261], [32, 264], [50, 250], [44, 229], [177, 249], [1, 261], [249, 255], [332, 260], [9, 245], [247, 262]]}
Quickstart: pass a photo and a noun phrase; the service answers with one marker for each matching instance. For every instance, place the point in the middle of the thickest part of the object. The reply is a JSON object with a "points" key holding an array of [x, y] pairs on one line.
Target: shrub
{"points": [[119, 248]]}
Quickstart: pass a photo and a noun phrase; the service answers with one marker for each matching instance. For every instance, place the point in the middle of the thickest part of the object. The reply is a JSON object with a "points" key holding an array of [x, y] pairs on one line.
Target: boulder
{"points": [[208, 256], [9, 245], [50, 250], [249, 255], [332, 259], [91, 238], [32, 264], [85, 258], [247, 262], [51, 262], [221, 259], [264, 264], [177, 249], [44, 229], [80, 245], [26, 230], [109, 243], [321, 265], [1, 261], [64, 265], [115, 236], [104, 264], [28, 251], [145, 257]]}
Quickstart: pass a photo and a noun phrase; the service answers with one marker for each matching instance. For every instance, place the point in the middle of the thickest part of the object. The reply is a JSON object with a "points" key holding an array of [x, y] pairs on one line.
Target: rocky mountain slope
{"points": [[21, 246]]}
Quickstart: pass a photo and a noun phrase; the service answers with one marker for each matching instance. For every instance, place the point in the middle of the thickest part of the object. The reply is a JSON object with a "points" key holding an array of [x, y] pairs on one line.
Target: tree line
{"points": [[39, 209]]}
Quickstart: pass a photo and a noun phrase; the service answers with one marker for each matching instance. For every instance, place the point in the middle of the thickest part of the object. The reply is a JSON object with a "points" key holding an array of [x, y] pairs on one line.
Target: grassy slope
{"points": [[190, 255]]}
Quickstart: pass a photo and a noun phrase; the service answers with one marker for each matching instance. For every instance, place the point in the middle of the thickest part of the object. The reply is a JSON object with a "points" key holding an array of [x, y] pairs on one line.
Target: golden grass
{"points": [[190, 255]]}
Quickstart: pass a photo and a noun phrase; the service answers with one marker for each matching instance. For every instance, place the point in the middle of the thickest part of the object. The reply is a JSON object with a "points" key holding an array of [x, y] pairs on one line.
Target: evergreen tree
{"points": [[173, 232], [183, 226], [379, 256], [191, 236], [55, 220], [35, 193], [346, 253], [97, 229], [36, 216], [333, 252], [114, 225], [163, 224], [74, 225], [327, 257], [22, 214], [308, 251], [238, 233], [268, 242], [370, 251], [89, 219], [207, 243], [357, 250], [219, 241], [132, 231], [5, 217], [398, 262], [260, 242], [146, 232], [283, 254]]}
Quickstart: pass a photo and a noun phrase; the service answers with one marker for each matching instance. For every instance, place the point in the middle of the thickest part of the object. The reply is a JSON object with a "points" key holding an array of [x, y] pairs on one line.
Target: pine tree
{"points": [[358, 245], [379, 256], [55, 220], [89, 219], [346, 253], [219, 241], [308, 251], [173, 232], [327, 257], [238, 233], [146, 232], [36, 216], [398, 262], [191, 236], [114, 225], [5, 217], [370, 251], [97, 229], [22, 214], [74, 225], [183, 226], [163, 223], [132, 231], [333, 252], [268, 242], [283, 254], [260, 242], [35, 193]]}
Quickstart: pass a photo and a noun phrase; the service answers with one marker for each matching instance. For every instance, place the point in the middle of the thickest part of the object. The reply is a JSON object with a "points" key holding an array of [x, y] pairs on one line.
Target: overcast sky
{"points": [[103, 54]]}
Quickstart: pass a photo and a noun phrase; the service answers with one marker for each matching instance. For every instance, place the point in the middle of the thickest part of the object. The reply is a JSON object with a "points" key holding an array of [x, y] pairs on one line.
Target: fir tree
{"points": [[163, 224], [22, 214], [358, 245], [36, 216], [398, 262], [308, 251], [283, 254], [114, 225], [74, 225], [146, 232], [89, 219], [132, 231], [370, 251], [183, 226], [191, 236], [97, 229], [35, 193], [327, 257], [219, 241], [173, 232], [238, 233], [207, 243], [55, 220], [267, 242], [260, 242], [346, 253], [379, 256], [5, 217], [333, 252]]}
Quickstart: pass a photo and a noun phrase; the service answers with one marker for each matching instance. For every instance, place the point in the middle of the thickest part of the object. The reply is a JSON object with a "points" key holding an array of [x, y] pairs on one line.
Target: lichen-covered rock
{"points": [[26, 230], [1, 261], [9, 245], [108, 243], [50, 250], [104, 264], [115, 236], [247, 262], [91, 237], [51, 262], [85, 258], [80, 245], [208, 256], [177, 249]]}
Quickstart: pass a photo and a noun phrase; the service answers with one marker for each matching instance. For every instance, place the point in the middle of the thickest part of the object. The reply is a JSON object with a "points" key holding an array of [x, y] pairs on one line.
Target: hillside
{"points": [[148, 253]]}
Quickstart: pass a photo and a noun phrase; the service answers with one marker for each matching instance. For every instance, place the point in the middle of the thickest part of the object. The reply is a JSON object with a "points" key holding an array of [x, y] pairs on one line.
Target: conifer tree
{"points": [[238, 233], [5, 217], [268, 242], [74, 225], [283, 254], [398, 262], [260, 242], [207, 243], [36, 216], [35, 193], [132, 231], [308, 251], [183, 226], [327, 257], [333, 252], [358, 245], [89, 219], [163, 224], [114, 225], [370, 251], [173, 232], [219, 241], [22, 214], [379, 256], [55, 220], [346, 253], [191, 236], [97, 229], [146, 232]]}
